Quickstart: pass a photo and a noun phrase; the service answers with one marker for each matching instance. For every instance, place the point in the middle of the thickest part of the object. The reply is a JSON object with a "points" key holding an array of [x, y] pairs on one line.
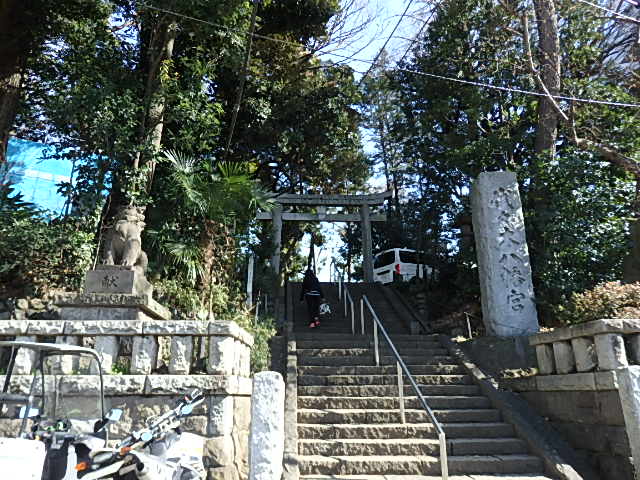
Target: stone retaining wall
{"points": [[222, 374], [578, 389]]}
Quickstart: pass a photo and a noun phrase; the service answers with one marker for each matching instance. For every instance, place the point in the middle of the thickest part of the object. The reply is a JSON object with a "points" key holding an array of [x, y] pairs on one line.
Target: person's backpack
{"points": [[325, 309]]}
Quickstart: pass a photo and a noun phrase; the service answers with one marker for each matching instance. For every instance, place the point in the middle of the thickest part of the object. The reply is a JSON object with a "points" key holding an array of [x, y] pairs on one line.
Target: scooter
{"points": [[54, 431], [159, 452]]}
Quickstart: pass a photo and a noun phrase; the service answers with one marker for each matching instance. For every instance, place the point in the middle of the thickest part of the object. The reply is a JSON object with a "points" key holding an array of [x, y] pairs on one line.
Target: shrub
{"points": [[38, 255], [606, 300]]}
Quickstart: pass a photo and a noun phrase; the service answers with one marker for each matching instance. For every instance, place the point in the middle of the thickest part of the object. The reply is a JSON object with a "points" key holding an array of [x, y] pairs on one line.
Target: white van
{"points": [[402, 262]]}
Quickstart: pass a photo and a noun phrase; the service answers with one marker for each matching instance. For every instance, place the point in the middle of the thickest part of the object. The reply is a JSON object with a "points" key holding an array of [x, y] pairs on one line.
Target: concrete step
{"points": [[363, 342], [404, 430], [350, 447], [438, 402], [417, 465], [381, 370], [365, 352], [354, 416], [411, 446], [330, 380], [368, 360], [384, 390], [486, 446], [513, 476]]}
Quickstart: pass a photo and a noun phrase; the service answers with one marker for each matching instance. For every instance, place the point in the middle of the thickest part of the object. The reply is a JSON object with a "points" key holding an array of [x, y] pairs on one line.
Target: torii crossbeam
{"points": [[364, 202]]}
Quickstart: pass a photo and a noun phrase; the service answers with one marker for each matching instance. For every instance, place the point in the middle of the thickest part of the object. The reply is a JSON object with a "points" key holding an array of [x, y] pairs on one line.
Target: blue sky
{"points": [[387, 14]]}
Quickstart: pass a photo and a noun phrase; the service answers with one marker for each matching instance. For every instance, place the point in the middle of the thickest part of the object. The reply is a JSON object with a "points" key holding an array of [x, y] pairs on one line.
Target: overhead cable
{"points": [[612, 12], [414, 72], [375, 60]]}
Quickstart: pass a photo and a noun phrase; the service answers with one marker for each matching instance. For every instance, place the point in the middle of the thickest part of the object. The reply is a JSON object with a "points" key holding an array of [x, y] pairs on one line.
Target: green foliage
{"points": [[606, 300], [262, 330], [182, 300], [121, 367], [38, 255]]}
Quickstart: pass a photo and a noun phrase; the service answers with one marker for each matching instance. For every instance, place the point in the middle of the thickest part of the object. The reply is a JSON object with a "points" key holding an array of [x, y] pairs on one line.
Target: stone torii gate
{"points": [[321, 202]]}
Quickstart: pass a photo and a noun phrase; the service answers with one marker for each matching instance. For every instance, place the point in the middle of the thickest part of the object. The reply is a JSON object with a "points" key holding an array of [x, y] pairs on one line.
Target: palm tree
{"points": [[226, 197]]}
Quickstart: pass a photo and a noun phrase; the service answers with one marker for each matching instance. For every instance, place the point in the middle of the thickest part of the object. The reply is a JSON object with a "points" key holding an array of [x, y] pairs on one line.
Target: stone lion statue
{"points": [[125, 244]]}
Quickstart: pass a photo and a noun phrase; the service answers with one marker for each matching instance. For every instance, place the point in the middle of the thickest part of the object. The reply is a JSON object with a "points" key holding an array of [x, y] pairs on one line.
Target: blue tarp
{"points": [[36, 175]]}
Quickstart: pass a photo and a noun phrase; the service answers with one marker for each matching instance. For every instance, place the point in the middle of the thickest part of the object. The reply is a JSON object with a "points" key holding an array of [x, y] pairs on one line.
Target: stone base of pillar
{"points": [[110, 306]]}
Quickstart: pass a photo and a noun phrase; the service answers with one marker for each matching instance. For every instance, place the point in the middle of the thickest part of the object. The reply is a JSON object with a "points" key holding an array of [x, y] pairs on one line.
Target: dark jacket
{"points": [[310, 285]]}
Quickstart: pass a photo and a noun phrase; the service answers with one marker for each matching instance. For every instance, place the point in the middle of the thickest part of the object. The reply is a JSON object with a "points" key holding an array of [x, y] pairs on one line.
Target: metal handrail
{"points": [[402, 367], [349, 299]]}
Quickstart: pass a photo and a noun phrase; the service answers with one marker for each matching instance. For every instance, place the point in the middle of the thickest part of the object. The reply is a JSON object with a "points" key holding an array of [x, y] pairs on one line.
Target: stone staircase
{"points": [[349, 424]]}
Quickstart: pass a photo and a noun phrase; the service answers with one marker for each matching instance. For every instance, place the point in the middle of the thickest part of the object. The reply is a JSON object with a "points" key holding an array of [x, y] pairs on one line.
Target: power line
{"points": [[375, 60], [613, 12], [426, 74], [426, 22]]}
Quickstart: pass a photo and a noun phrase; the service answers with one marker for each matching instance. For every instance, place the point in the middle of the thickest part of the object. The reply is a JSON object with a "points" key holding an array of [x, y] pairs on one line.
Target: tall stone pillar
{"points": [[508, 307], [277, 237], [367, 253]]}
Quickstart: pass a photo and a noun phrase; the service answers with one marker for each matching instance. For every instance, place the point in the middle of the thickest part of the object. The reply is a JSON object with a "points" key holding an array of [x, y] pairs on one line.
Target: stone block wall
{"points": [[578, 389], [222, 373], [586, 411]]}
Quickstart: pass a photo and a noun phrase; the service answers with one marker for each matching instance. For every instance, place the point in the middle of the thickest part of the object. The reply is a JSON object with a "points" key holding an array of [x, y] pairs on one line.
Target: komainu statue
{"points": [[125, 244]]}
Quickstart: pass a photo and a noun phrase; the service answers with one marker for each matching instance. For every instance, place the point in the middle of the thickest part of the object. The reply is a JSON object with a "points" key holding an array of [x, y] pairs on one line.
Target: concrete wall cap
{"points": [[104, 327], [174, 327], [231, 329], [13, 327], [589, 329]]}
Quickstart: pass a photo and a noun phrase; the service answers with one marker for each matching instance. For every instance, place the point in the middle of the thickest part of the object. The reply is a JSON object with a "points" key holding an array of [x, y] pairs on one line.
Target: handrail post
{"points": [[375, 343], [353, 316], [444, 466], [362, 314], [345, 302], [401, 393]]}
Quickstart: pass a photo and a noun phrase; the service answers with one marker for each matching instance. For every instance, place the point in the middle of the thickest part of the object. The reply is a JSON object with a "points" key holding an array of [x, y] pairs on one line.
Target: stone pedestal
{"points": [[508, 307], [117, 279], [112, 292], [110, 306]]}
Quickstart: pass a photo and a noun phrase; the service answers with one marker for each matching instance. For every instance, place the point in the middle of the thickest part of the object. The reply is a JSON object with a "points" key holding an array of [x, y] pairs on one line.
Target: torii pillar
{"points": [[367, 247]]}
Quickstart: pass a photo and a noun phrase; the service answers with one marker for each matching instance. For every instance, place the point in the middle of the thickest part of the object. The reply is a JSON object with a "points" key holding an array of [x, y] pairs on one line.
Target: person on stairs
{"points": [[312, 293]]}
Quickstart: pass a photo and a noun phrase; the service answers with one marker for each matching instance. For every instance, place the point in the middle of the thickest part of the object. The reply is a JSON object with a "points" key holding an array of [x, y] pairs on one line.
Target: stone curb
{"points": [[591, 381], [291, 470], [559, 458], [123, 385], [589, 329], [125, 327]]}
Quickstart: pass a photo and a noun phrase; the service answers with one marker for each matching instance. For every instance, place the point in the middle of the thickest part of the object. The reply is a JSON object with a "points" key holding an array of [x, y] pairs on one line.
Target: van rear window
{"points": [[408, 257], [384, 259]]}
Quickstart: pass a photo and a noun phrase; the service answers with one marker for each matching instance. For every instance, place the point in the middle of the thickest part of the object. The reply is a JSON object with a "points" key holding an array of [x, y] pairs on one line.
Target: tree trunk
{"points": [[549, 57], [152, 124], [547, 126], [9, 97]]}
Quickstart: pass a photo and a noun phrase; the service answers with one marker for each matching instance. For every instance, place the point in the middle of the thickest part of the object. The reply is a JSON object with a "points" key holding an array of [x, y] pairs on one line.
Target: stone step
{"points": [[486, 446], [363, 342], [366, 352], [411, 446], [330, 380], [404, 430], [513, 476], [381, 370], [368, 360], [440, 402], [384, 390], [350, 447], [417, 465], [353, 416]]}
